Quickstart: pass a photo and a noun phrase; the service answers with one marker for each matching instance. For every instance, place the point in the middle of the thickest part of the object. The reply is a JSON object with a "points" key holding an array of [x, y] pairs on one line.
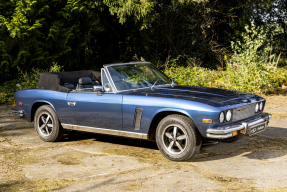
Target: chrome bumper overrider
{"points": [[226, 132], [16, 112]]}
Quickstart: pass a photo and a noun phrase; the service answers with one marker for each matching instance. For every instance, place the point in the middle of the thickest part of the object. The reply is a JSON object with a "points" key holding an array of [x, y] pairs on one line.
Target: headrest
{"points": [[85, 80]]}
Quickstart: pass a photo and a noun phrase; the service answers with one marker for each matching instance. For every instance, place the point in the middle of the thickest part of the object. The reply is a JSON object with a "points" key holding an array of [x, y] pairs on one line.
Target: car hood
{"points": [[211, 96]]}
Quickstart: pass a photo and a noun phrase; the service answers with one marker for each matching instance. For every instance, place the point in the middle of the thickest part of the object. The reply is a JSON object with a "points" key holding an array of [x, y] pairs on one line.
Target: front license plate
{"points": [[257, 128]]}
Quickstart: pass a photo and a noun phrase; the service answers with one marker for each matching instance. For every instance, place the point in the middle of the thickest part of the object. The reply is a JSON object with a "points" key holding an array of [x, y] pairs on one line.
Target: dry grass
{"points": [[278, 189], [278, 115], [280, 100], [229, 183], [133, 186], [14, 158], [37, 185], [72, 158], [4, 137], [151, 156]]}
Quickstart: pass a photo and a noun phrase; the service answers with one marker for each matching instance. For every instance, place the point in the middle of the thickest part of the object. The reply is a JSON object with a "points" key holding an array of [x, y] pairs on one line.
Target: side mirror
{"points": [[97, 87], [107, 88]]}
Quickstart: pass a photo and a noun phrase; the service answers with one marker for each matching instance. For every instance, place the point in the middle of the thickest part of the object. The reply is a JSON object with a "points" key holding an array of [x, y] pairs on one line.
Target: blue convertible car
{"points": [[139, 101]]}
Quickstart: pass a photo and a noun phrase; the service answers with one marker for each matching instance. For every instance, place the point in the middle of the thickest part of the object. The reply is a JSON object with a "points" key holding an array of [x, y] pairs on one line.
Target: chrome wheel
{"points": [[45, 124], [175, 139]]}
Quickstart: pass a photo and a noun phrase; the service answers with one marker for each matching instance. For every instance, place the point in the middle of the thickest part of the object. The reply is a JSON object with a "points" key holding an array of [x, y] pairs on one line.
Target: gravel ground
{"points": [[89, 162]]}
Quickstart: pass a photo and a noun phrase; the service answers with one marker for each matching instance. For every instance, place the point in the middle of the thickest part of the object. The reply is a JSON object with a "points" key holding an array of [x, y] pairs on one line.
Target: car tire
{"points": [[177, 138], [47, 125]]}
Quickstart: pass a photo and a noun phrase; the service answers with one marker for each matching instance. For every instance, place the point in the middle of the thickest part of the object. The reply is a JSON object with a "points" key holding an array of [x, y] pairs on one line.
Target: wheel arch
{"points": [[159, 116], [38, 104]]}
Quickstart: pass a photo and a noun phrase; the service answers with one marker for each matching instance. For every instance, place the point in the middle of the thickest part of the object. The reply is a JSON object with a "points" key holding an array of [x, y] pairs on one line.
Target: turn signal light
{"points": [[243, 131], [234, 133], [206, 120]]}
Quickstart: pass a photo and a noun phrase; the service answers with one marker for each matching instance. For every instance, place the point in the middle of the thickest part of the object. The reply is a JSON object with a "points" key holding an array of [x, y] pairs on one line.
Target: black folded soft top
{"points": [[56, 80]]}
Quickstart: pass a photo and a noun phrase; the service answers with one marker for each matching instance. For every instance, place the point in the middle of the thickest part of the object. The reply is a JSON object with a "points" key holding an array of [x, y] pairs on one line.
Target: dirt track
{"points": [[89, 162]]}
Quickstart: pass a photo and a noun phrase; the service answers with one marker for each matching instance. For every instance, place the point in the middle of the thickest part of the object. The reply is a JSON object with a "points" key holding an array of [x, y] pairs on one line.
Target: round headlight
{"points": [[228, 115], [256, 107], [221, 117], [261, 106]]}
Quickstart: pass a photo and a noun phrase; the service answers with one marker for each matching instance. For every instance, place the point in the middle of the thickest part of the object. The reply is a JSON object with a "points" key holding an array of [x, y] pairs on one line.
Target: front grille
{"points": [[243, 112]]}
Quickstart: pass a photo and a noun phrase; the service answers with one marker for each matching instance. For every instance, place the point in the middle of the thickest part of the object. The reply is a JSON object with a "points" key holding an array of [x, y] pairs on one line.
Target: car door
{"points": [[91, 110], [103, 110]]}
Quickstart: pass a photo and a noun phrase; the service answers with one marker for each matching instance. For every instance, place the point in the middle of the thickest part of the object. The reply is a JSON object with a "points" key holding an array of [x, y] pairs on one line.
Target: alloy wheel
{"points": [[175, 139], [45, 124]]}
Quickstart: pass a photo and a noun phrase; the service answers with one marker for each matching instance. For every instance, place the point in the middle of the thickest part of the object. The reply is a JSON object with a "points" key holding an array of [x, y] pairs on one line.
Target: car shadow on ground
{"points": [[71, 136], [258, 147], [269, 144]]}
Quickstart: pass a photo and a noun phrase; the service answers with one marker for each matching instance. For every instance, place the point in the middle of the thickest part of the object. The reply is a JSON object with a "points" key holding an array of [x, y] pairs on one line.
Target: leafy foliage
{"points": [[199, 76], [251, 68], [84, 34], [35, 34], [252, 60], [25, 80]]}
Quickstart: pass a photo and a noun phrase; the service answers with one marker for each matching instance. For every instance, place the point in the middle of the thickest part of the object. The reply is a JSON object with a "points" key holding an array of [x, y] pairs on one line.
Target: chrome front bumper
{"points": [[226, 132], [17, 112]]}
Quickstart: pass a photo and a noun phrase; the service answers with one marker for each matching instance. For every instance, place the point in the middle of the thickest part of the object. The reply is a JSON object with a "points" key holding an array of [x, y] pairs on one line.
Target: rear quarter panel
{"points": [[29, 97]]}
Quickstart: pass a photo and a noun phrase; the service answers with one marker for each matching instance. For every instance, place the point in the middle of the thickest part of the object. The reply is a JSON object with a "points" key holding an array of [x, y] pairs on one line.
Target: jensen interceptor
{"points": [[139, 101]]}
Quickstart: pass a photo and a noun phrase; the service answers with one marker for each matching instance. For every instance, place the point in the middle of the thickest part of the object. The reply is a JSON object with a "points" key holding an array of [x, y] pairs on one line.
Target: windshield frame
{"points": [[133, 63]]}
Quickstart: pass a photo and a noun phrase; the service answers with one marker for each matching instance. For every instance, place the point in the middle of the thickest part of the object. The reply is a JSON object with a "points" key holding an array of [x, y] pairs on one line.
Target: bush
{"points": [[252, 61], [7, 90], [251, 68], [198, 76], [24, 81]]}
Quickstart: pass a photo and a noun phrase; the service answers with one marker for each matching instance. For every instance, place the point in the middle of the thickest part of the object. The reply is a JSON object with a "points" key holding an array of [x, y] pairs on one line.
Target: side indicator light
{"points": [[243, 131], [206, 120], [20, 104], [234, 133]]}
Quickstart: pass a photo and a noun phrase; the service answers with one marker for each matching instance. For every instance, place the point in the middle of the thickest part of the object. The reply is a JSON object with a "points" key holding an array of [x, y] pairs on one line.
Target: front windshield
{"points": [[134, 76]]}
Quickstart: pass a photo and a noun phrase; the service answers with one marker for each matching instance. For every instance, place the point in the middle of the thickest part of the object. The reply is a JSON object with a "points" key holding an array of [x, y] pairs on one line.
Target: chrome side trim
{"points": [[105, 131], [72, 103], [227, 132]]}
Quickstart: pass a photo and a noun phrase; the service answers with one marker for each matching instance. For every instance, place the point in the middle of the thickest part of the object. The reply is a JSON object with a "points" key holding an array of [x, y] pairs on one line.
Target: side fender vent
{"points": [[137, 118]]}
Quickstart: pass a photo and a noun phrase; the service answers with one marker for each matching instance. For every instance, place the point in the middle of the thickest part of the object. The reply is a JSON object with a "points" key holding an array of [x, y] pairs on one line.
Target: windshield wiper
{"points": [[154, 84]]}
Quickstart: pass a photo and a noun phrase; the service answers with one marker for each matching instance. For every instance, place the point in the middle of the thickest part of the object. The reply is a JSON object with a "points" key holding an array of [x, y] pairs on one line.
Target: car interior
{"points": [[70, 81]]}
